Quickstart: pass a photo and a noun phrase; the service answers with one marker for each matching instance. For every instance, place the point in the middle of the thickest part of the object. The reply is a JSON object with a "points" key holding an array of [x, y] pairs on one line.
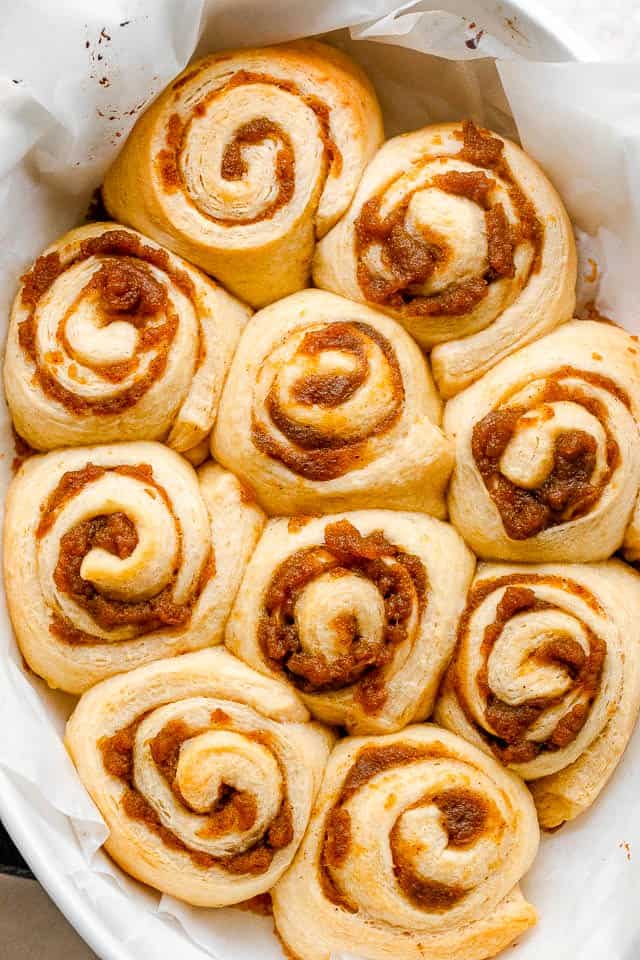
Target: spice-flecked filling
{"points": [[570, 489], [410, 259], [233, 165], [507, 725], [232, 810], [465, 816], [309, 451], [399, 577], [115, 533], [123, 288]]}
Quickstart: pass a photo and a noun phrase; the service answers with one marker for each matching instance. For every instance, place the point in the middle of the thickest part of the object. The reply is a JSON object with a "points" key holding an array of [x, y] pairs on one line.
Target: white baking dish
{"points": [[535, 34]]}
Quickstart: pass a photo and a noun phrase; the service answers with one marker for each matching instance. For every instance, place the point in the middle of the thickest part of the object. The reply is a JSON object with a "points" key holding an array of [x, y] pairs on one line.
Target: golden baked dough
{"points": [[204, 771], [459, 235], [120, 554], [415, 849], [547, 676], [330, 406], [358, 611], [114, 338], [245, 159], [548, 448]]}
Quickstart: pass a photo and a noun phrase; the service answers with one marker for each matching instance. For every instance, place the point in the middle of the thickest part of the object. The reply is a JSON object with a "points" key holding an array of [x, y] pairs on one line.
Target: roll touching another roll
{"points": [[358, 611], [118, 555], [114, 338], [458, 234], [204, 771], [547, 676], [330, 406], [245, 159], [415, 849], [548, 448]]}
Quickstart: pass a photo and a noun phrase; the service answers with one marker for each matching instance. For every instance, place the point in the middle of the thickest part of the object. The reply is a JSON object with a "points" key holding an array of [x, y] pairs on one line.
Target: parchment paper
{"points": [[72, 82]]}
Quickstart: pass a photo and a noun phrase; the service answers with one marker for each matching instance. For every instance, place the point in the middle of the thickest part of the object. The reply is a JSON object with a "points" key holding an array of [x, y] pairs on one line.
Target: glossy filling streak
{"points": [[232, 811], [411, 259], [233, 164], [115, 533], [508, 725], [402, 583], [569, 491], [122, 289], [465, 816], [309, 450]]}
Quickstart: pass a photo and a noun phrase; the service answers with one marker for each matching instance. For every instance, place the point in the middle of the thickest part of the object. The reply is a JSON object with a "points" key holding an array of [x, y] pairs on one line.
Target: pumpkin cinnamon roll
{"points": [[204, 771], [330, 406], [246, 159], [118, 555], [415, 849], [546, 676], [114, 338], [458, 234], [548, 448], [357, 611]]}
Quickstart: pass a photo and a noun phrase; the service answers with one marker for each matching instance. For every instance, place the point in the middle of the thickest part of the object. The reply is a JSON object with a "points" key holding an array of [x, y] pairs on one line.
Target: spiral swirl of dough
{"points": [[358, 611], [415, 849], [548, 448], [245, 159], [330, 406], [113, 338], [204, 771], [457, 234], [120, 554], [547, 676]]}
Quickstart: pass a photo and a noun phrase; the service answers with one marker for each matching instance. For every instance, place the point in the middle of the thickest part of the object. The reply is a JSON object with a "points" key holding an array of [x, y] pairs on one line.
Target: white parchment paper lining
{"points": [[72, 82]]}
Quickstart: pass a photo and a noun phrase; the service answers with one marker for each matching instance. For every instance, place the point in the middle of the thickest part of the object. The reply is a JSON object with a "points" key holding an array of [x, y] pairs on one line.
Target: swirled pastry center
{"points": [[442, 238], [324, 397], [111, 344], [534, 671], [547, 456], [335, 615], [213, 790]]}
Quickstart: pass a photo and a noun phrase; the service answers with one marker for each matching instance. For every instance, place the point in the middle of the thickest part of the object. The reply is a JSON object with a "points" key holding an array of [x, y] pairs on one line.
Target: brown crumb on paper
{"points": [[624, 845]]}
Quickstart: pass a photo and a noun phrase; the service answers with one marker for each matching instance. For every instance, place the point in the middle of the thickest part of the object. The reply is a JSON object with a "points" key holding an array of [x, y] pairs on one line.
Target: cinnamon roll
{"points": [[547, 676], [118, 555], [548, 449], [357, 611], [456, 233], [204, 771], [415, 849], [114, 338], [330, 406], [245, 159]]}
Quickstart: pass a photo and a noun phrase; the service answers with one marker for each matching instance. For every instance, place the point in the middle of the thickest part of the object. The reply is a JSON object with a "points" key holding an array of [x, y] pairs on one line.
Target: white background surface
{"points": [[30, 927]]}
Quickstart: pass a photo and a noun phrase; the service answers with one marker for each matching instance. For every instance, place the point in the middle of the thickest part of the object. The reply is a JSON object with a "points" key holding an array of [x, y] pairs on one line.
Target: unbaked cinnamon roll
{"points": [[204, 771], [458, 234], [114, 338], [330, 406], [548, 448], [547, 676], [245, 159], [118, 555], [415, 849], [357, 611]]}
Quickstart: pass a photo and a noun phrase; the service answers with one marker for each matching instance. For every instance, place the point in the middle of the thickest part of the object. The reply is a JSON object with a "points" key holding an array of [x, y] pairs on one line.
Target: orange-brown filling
{"points": [[232, 810], [402, 582], [312, 452], [410, 260], [508, 723], [569, 491]]}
